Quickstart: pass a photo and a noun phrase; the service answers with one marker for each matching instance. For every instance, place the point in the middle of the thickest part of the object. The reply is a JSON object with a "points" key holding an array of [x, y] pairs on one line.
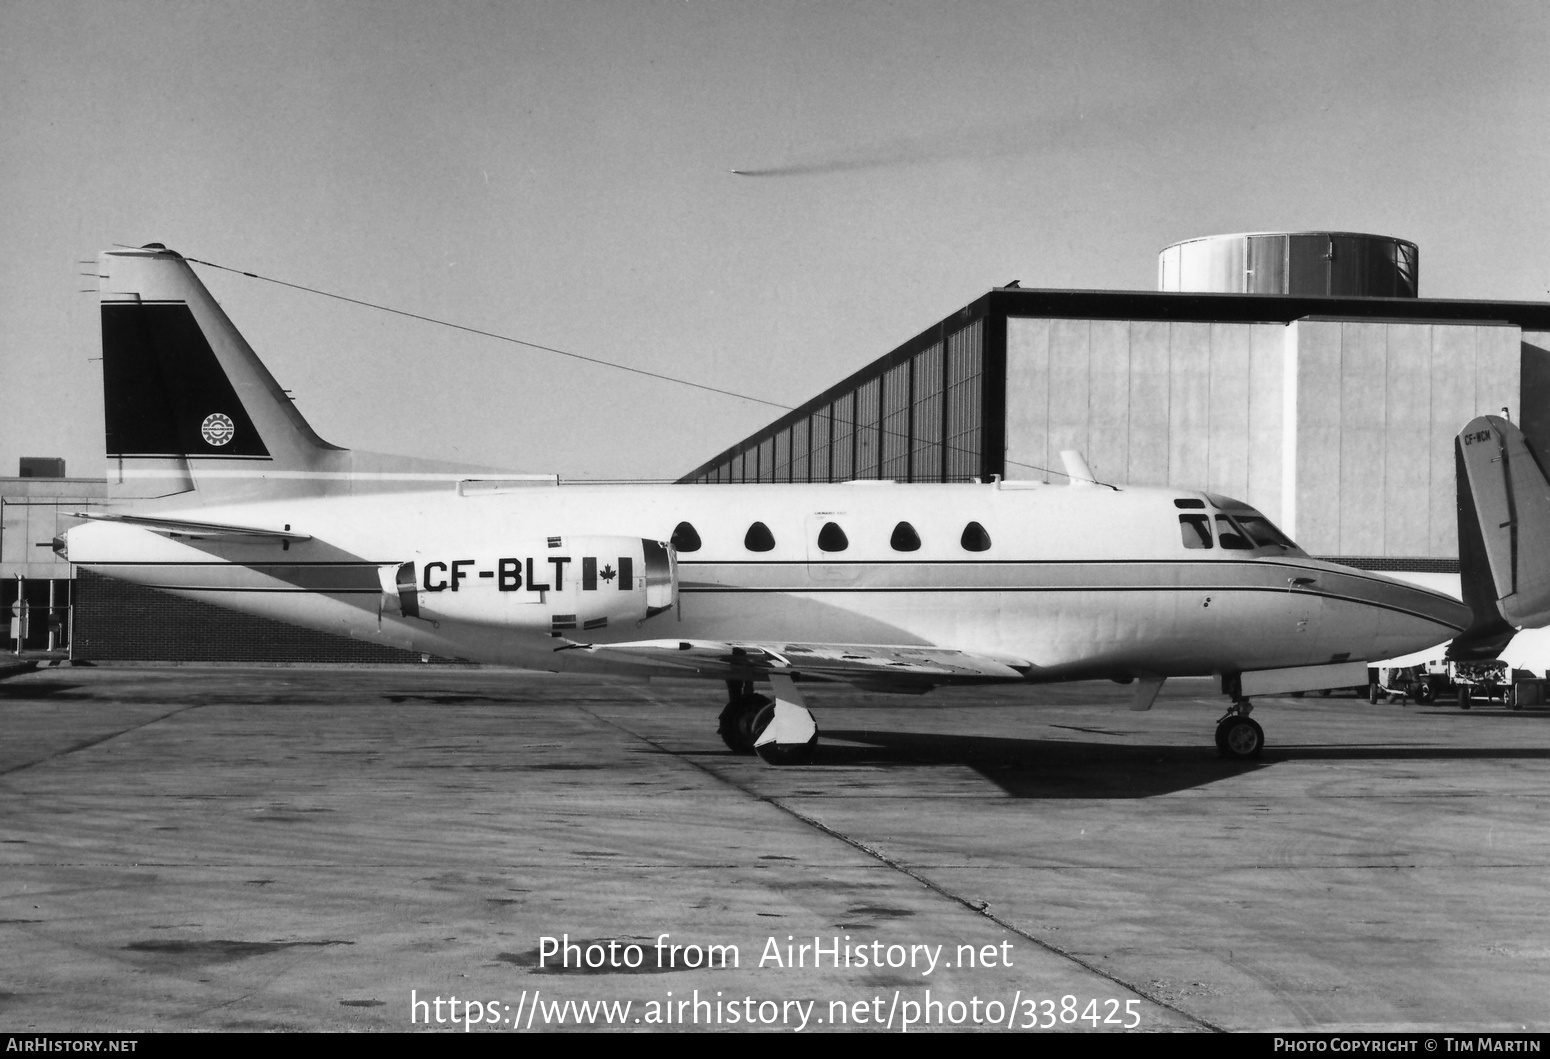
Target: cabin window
{"points": [[759, 538], [904, 538], [975, 539], [685, 539], [1196, 530], [831, 538], [1230, 536]]}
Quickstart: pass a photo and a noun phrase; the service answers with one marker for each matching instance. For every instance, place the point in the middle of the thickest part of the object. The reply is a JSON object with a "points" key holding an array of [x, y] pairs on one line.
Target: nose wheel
{"points": [[1238, 736]]}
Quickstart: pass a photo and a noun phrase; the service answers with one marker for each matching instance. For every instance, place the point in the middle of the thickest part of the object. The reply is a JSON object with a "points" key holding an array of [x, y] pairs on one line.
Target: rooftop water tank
{"points": [[1346, 264]]}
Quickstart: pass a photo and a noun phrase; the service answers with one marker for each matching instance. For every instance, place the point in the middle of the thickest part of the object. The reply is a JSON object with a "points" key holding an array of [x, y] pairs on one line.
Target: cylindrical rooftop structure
{"points": [[1347, 264]]}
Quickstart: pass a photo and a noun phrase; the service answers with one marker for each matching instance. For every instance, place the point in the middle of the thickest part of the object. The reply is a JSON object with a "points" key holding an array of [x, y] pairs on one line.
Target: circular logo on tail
{"points": [[217, 429]]}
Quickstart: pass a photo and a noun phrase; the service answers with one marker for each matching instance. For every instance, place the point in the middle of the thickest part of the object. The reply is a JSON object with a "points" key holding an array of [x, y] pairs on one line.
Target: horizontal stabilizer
{"points": [[1504, 535], [199, 530]]}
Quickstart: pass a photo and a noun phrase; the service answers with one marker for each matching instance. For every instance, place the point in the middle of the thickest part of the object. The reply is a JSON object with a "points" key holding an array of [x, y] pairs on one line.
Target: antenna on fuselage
{"points": [[1077, 470]]}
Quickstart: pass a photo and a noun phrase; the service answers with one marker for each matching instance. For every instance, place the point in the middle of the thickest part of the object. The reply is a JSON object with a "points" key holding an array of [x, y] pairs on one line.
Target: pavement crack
{"points": [[86, 744], [977, 907]]}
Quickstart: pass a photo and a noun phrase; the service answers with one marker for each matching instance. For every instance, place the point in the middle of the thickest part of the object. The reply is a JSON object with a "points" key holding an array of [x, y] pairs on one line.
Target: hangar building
{"points": [[1296, 371]]}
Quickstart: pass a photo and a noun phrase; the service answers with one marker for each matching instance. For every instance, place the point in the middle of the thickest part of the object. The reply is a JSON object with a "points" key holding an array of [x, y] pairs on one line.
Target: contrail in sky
{"points": [[1081, 125], [993, 142], [915, 151], [836, 165]]}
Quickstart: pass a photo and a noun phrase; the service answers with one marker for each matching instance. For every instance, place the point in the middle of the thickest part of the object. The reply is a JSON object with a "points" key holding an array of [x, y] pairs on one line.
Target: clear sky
{"points": [[560, 172]]}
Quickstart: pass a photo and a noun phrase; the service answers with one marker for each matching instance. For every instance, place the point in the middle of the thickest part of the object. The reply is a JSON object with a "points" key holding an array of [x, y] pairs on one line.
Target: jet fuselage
{"points": [[1061, 582]]}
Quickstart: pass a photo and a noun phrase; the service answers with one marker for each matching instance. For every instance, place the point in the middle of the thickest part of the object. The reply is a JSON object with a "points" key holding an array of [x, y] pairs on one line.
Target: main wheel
{"points": [[1240, 738], [782, 753], [1423, 693], [1464, 698], [736, 726]]}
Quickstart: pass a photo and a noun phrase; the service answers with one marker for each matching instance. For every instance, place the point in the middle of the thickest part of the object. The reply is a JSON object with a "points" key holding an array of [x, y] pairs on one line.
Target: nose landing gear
{"points": [[1238, 736]]}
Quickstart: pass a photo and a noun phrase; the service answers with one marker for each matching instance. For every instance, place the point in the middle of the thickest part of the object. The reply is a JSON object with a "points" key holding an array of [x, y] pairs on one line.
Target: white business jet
{"points": [[887, 586]]}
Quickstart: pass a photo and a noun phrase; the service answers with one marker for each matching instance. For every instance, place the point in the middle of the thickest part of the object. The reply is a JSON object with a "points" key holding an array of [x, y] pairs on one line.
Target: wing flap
{"points": [[866, 665]]}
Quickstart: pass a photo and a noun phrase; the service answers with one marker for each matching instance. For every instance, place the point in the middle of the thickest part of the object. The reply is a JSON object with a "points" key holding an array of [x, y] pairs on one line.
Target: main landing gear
{"points": [[737, 717], [780, 730], [1238, 736]]}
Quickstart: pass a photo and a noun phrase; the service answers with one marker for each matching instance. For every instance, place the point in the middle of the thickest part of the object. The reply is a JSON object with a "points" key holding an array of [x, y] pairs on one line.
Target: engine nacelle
{"points": [[570, 586]]}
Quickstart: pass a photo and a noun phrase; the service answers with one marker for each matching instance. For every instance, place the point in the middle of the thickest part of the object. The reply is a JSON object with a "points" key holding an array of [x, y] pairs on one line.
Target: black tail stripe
{"points": [[161, 384]]}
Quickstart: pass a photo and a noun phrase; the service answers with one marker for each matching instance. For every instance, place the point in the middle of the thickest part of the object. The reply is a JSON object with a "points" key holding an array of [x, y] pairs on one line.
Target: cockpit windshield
{"points": [[1263, 532], [1229, 535], [1236, 529]]}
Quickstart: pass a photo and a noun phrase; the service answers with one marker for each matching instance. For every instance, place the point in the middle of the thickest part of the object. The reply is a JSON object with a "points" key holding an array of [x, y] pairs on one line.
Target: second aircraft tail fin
{"points": [[1504, 536]]}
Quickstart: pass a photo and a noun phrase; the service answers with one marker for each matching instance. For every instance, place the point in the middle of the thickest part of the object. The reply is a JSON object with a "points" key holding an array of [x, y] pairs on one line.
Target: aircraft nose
{"points": [[1408, 618], [1376, 616], [61, 547]]}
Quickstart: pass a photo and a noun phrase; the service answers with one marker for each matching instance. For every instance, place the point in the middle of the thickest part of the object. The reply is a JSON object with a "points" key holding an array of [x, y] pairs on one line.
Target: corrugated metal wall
{"points": [[890, 423]]}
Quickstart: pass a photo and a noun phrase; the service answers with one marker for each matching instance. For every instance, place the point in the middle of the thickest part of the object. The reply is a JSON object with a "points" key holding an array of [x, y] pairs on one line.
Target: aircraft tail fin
{"points": [[186, 401], [191, 410], [1504, 536]]}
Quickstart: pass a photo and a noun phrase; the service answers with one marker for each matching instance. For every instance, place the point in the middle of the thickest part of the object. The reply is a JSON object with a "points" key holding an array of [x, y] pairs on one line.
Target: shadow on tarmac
{"points": [[1040, 768], [1495, 712], [32, 690], [1036, 768], [1318, 752]]}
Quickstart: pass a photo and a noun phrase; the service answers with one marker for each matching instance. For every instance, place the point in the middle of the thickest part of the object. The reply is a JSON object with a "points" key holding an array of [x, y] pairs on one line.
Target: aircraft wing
{"points": [[201, 530], [882, 668]]}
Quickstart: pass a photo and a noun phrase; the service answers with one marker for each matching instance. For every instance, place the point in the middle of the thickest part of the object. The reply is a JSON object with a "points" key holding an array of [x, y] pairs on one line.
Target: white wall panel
{"points": [[1378, 478], [1313, 415], [1363, 413], [1108, 396], [1228, 456], [1069, 390], [1453, 405], [1266, 353], [1027, 397], [1498, 361], [1406, 485], [1149, 403], [1189, 404]]}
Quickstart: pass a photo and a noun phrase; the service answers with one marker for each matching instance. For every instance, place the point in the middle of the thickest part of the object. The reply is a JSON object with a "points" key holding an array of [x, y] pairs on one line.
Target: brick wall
{"points": [[120, 622]]}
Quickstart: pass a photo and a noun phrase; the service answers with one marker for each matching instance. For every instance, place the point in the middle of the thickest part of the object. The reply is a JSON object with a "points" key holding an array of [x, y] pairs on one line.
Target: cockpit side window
{"points": [[1231, 535], [1196, 530], [1263, 532]]}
